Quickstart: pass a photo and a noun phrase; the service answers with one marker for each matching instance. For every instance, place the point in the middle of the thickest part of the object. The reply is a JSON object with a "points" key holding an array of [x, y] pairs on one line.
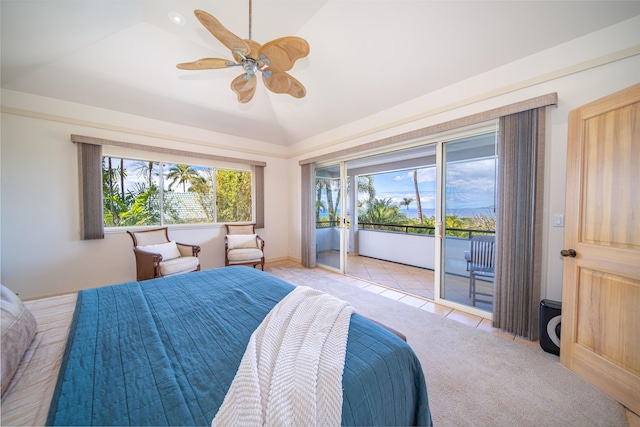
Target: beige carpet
{"points": [[475, 378]]}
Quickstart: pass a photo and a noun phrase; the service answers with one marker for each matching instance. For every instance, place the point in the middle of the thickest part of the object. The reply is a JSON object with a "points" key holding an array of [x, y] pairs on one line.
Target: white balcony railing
{"points": [[417, 250], [413, 249]]}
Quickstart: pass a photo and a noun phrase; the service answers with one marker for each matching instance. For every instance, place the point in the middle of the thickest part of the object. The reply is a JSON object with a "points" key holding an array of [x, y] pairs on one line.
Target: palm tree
{"points": [[327, 184], [406, 201], [107, 181], [328, 187], [382, 211], [418, 204], [319, 203], [365, 186], [147, 170], [182, 174], [114, 194], [123, 174]]}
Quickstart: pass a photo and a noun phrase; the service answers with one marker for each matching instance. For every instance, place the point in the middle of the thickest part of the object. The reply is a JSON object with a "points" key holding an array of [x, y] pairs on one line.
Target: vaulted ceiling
{"points": [[366, 56]]}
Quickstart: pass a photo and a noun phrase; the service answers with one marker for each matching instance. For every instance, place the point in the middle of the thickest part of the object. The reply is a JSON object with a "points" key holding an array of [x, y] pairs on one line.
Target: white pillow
{"points": [[18, 329], [168, 250], [242, 241]]}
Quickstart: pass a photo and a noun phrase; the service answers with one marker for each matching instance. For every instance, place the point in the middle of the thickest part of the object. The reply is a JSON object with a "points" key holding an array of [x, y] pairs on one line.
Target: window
{"points": [[139, 192], [404, 198]]}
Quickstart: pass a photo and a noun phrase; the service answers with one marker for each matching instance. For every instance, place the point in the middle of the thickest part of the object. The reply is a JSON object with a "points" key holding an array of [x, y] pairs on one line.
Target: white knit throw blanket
{"points": [[291, 371]]}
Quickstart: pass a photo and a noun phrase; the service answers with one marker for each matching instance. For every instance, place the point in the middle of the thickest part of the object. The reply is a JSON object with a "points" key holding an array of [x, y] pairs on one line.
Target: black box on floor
{"points": [[550, 316]]}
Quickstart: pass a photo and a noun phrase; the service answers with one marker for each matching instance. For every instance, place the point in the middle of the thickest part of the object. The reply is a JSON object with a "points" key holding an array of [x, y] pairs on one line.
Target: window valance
{"points": [[518, 107], [171, 151]]}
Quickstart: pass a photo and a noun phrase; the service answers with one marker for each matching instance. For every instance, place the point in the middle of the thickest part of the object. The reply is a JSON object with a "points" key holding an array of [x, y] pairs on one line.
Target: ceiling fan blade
{"points": [[204, 64], [281, 82], [244, 88], [254, 48], [284, 52], [226, 37]]}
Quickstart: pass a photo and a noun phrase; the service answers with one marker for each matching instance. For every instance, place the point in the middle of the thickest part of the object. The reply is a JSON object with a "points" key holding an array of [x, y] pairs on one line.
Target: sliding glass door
{"points": [[391, 239], [330, 216], [422, 219], [469, 196]]}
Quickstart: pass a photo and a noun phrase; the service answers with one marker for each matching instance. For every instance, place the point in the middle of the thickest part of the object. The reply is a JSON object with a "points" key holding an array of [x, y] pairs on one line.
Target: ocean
{"points": [[462, 213]]}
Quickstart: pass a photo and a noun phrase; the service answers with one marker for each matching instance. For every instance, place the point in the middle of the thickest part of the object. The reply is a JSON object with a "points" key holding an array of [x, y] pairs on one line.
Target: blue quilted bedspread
{"points": [[165, 351]]}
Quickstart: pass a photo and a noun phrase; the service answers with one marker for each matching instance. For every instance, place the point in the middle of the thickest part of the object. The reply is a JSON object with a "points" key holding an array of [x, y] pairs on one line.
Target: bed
{"points": [[165, 352]]}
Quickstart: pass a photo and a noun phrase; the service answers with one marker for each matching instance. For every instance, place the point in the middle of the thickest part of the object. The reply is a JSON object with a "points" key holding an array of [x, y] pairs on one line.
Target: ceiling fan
{"points": [[272, 59]]}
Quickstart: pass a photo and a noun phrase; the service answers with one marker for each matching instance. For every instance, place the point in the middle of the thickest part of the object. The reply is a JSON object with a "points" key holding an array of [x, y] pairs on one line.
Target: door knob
{"points": [[568, 252]]}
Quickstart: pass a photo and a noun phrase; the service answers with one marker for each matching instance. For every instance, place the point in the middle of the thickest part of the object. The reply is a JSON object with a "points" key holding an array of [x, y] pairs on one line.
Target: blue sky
{"points": [[470, 185], [135, 176], [398, 185]]}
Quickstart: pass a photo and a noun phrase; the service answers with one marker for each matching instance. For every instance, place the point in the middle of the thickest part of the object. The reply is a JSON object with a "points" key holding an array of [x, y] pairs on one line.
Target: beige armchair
{"points": [[242, 246], [157, 256]]}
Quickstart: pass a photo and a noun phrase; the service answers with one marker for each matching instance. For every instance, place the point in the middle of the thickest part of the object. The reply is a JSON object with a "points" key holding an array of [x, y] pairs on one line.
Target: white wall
{"points": [[411, 249], [579, 71], [42, 253]]}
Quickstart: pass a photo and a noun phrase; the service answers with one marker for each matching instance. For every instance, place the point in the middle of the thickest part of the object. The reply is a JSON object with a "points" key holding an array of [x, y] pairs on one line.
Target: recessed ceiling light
{"points": [[176, 18]]}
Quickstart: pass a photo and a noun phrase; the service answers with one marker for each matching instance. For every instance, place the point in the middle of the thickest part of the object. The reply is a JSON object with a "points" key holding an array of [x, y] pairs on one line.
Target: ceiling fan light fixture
{"points": [[250, 67]]}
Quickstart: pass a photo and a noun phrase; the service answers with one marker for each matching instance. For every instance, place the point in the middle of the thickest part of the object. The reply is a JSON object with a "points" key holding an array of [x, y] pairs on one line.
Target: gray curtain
{"points": [[519, 223], [308, 216], [90, 177], [258, 173]]}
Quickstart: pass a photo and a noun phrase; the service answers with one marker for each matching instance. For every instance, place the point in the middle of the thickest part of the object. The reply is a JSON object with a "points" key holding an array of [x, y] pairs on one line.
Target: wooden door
{"points": [[600, 337]]}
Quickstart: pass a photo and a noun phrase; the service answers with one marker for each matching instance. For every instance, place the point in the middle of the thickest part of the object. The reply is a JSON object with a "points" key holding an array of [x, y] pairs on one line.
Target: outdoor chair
{"points": [[481, 263], [157, 256], [242, 246]]}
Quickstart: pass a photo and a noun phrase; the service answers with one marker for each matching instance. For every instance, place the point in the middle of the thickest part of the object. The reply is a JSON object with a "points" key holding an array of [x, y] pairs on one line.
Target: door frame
{"points": [[439, 273], [343, 215], [439, 140]]}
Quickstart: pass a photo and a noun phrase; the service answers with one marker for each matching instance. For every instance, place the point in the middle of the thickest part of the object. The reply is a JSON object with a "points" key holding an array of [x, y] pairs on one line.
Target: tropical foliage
{"points": [[233, 195], [128, 207], [180, 174], [331, 189], [382, 211], [132, 193], [386, 215], [328, 197]]}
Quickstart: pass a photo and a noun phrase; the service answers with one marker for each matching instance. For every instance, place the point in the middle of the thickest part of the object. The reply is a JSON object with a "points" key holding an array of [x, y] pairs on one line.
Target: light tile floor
{"points": [[408, 279], [290, 271]]}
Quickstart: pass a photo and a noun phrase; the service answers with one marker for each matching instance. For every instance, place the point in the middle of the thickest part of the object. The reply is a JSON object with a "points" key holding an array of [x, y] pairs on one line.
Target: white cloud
{"points": [[424, 175]]}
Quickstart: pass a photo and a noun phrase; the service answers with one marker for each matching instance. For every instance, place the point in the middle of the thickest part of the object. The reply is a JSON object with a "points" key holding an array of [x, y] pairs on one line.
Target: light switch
{"points": [[558, 220]]}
